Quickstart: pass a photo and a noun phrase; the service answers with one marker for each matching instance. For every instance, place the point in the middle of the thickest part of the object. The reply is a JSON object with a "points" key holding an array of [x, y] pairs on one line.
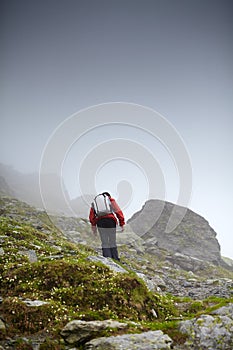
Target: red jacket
{"points": [[93, 218]]}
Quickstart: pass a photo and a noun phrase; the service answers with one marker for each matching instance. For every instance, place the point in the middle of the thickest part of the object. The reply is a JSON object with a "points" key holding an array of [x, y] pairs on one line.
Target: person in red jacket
{"points": [[106, 225]]}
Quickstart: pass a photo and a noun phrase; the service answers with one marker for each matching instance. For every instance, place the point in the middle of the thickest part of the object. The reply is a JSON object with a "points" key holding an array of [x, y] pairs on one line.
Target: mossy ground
{"points": [[74, 287]]}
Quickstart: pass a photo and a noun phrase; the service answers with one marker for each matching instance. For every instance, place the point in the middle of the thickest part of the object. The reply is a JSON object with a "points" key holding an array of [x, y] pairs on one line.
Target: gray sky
{"points": [[174, 56]]}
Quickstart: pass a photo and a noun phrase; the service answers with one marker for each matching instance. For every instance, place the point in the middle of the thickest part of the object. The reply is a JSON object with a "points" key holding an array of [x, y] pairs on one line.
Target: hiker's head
{"points": [[106, 194]]}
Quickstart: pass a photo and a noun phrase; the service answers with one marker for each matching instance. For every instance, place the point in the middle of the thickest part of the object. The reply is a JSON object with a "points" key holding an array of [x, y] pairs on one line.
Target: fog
{"points": [[61, 59]]}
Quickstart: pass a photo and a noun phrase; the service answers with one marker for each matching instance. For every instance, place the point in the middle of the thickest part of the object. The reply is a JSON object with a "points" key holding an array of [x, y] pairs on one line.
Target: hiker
{"points": [[104, 215]]}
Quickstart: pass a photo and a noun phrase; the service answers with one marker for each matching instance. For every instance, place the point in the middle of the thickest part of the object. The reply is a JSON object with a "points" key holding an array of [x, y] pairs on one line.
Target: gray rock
{"points": [[30, 254], [180, 286], [210, 332], [224, 310], [144, 341], [3, 238], [131, 239], [154, 284], [78, 332], [109, 263], [75, 237], [192, 237], [187, 263], [56, 247], [34, 303], [54, 257], [2, 326]]}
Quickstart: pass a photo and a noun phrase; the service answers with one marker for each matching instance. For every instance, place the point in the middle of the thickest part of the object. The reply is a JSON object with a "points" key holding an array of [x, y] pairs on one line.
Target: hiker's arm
{"points": [[118, 212], [92, 219]]}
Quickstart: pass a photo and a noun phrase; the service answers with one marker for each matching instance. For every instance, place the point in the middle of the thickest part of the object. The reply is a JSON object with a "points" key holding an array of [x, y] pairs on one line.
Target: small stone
{"points": [[30, 254], [109, 263], [3, 238], [34, 303], [2, 326]]}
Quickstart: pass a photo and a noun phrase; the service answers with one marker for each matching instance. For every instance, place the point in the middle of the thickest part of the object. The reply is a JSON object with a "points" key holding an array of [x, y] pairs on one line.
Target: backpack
{"points": [[102, 205]]}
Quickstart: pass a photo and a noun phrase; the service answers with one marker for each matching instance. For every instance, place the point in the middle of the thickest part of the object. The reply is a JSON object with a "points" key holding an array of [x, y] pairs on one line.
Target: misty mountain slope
{"points": [[5, 189], [26, 187], [23, 186]]}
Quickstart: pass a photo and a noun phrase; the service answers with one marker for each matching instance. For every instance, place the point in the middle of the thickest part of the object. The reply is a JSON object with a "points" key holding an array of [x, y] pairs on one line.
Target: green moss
{"points": [[21, 344], [168, 327], [76, 289], [213, 303], [194, 307], [24, 319], [51, 344], [20, 237]]}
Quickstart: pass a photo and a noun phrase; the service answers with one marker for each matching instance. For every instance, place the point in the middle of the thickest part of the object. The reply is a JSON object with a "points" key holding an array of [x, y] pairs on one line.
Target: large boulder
{"points": [[193, 236], [210, 332], [78, 332], [145, 341]]}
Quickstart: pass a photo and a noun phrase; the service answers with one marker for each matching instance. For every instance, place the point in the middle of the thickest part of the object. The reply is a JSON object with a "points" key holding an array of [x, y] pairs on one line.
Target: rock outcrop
{"points": [[207, 332], [78, 332], [210, 332], [193, 237], [153, 340]]}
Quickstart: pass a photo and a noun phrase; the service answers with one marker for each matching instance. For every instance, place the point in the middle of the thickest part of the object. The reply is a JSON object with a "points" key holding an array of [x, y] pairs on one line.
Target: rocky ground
{"points": [[58, 292]]}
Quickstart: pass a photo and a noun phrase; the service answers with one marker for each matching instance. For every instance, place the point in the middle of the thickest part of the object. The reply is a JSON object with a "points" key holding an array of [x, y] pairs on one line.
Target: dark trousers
{"points": [[107, 231]]}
